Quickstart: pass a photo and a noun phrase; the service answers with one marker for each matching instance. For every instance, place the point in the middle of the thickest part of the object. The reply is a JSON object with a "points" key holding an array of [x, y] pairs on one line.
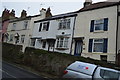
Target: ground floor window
{"points": [[11, 37], [44, 44], [62, 42], [98, 45], [33, 42], [22, 38]]}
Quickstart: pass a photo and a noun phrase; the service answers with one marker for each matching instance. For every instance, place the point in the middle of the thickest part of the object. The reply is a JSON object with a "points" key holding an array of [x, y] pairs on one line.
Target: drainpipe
{"points": [[117, 32], [72, 35]]}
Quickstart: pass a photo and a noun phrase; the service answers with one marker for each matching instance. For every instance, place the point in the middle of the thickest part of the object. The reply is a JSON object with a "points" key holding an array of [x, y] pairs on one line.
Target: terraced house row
{"points": [[93, 31]]}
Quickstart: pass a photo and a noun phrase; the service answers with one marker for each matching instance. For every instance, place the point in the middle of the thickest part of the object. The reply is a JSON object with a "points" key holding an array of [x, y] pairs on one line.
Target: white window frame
{"points": [[96, 43], [33, 42], [64, 24], [22, 39], [25, 25], [14, 26], [64, 42], [44, 27], [11, 37], [99, 22]]}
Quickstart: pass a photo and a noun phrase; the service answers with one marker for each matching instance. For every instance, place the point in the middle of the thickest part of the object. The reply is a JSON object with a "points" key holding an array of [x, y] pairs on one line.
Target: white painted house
{"points": [[97, 31], [20, 29], [54, 33]]}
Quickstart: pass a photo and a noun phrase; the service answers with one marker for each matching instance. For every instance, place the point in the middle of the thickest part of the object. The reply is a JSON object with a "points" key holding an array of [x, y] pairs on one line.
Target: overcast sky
{"points": [[33, 7]]}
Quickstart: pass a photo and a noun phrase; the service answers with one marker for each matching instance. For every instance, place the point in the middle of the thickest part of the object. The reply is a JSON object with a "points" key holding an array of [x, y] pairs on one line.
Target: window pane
{"points": [[33, 42], [66, 43], [68, 24], [61, 42], [99, 24], [58, 43], [98, 40], [25, 24], [98, 47], [99, 27], [44, 26], [11, 37], [44, 44], [22, 38], [14, 26], [109, 74], [60, 25], [64, 24], [99, 21]]}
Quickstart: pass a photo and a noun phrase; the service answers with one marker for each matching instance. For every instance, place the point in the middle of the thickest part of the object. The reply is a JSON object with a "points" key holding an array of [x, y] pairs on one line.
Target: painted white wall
{"points": [[19, 29], [28, 32], [53, 32], [32, 25], [82, 29]]}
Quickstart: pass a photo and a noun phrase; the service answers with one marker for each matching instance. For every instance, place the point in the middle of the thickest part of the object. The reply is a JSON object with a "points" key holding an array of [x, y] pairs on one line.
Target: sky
{"points": [[33, 6]]}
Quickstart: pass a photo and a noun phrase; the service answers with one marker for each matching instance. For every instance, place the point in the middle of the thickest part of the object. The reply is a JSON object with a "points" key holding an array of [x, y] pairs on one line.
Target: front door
{"points": [[78, 47]]}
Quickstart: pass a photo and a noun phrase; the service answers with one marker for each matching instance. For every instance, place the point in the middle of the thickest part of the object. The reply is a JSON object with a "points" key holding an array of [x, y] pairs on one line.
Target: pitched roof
{"points": [[98, 5], [71, 14]]}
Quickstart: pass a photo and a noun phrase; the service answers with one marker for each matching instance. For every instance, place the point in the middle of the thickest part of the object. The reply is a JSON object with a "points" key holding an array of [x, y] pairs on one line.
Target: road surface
{"points": [[11, 72]]}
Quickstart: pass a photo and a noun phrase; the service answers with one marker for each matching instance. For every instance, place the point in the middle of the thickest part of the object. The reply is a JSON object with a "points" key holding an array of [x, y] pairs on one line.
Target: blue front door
{"points": [[78, 47]]}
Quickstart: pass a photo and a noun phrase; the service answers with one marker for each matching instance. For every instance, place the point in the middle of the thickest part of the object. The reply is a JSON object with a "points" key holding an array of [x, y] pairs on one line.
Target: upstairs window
{"points": [[64, 24], [99, 25], [44, 26], [14, 26], [25, 24], [62, 42]]}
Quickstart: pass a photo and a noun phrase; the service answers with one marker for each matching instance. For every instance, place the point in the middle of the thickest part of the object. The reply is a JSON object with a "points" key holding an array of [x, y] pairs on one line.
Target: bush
{"points": [[12, 52], [54, 62]]}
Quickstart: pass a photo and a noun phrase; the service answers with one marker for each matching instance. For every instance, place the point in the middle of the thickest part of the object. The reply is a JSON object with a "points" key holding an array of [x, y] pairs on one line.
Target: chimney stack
{"points": [[5, 14], [23, 14], [48, 12], [87, 3], [12, 14]]}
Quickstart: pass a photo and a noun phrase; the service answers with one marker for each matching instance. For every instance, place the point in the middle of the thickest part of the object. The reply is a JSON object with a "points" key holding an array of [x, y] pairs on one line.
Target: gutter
{"points": [[117, 32], [72, 35]]}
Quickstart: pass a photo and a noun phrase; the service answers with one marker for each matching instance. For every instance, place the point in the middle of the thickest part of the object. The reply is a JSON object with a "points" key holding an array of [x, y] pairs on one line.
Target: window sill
{"points": [[12, 30], [98, 53], [99, 31], [24, 29], [62, 48], [63, 29]]}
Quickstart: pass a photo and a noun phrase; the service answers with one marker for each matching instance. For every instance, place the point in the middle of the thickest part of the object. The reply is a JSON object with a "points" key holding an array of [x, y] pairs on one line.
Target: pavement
{"points": [[12, 72]]}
